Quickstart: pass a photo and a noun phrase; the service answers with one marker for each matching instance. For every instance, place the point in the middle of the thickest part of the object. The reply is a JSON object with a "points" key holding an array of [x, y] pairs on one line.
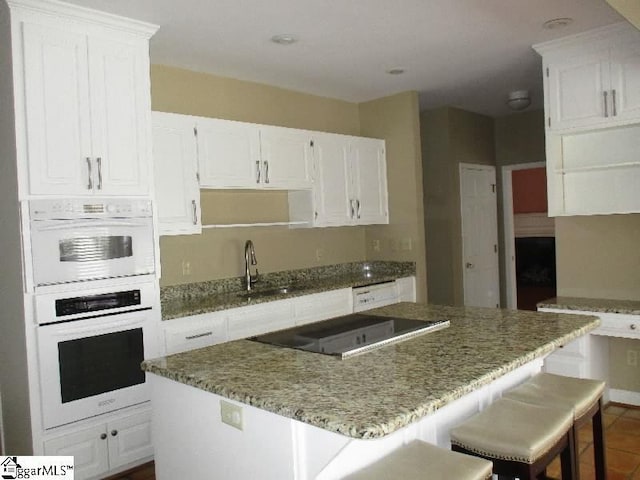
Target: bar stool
{"points": [[520, 439], [584, 396], [420, 460]]}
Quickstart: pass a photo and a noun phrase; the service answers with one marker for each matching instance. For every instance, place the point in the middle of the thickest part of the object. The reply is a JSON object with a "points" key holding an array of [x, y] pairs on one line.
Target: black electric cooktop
{"points": [[351, 334]]}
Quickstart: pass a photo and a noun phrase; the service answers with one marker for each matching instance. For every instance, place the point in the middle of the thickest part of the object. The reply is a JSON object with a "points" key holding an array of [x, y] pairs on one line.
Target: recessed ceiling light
{"points": [[395, 71], [284, 39], [557, 23]]}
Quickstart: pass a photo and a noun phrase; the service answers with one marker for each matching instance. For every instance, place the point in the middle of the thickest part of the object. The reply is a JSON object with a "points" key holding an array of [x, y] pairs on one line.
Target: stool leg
{"points": [[598, 444], [568, 458]]}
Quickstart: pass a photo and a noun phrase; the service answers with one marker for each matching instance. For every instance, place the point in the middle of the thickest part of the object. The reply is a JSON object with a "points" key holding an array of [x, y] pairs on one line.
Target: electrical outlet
{"points": [[319, 254], [186, 267], [632, 358], [406, 244], [231, 414], [376, 245]]}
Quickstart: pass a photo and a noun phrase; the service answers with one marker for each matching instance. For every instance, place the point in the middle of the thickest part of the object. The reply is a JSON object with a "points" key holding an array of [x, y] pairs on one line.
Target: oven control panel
{"points": [[53, 209]]}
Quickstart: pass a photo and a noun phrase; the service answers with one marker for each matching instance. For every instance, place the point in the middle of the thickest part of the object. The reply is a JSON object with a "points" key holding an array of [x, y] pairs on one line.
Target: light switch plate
{"points": [[231, 414]]}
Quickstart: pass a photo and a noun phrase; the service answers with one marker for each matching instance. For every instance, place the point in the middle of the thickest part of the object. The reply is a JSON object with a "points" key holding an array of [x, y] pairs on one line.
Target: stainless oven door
{"points": [[88, 249], [89, 367]]}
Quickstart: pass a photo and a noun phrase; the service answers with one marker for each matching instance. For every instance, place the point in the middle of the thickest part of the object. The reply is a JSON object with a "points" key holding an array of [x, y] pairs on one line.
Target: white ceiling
{"points": [[463, 53]]}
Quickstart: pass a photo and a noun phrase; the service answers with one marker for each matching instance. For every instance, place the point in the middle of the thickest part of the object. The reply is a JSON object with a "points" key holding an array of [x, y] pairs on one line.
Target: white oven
{"points": [[74, 240], [90, 346]]}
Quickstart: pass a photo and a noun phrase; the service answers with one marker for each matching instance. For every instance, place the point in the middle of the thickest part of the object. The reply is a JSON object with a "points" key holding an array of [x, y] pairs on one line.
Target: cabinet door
{"points": [[228, 154], [625, 81], [286, 158], [119, 116], [57, 110], [576, 91], [263, 318], [89, 447], [369, 174], [175, 158], [129, 439], [332, 180]]}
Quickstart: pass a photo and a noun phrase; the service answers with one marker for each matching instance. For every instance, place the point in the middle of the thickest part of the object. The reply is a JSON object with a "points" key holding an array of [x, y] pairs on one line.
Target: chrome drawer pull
{"points": [[633, 326], [199, 335]]}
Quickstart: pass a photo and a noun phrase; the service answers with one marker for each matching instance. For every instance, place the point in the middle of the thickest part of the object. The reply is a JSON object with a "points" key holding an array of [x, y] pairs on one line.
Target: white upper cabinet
{"points": [[85, 87], [229, 154], [175, 158], [592, 80], [248, 155], [350, 185]]}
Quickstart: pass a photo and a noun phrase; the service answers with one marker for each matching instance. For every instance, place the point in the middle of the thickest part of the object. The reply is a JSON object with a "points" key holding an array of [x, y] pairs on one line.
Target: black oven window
{"points": [[102, 363]]}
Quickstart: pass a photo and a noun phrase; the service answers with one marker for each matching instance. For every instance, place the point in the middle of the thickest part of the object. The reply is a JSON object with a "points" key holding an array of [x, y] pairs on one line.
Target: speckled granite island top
{"points": [[204, 297], [376, 393], [629, 307]]}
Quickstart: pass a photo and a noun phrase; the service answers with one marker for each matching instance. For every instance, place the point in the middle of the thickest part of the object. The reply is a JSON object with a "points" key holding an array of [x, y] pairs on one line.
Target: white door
{"points": [[332, 179], [228, 154], [577, 88], [89, 448], [175, 159], [57, 110], [479, 236], [119, 116], [369, 173], [286, 158], [129, 439]]}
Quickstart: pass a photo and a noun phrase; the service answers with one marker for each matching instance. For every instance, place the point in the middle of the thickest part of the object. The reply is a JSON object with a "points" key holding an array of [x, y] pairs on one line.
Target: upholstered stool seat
{"points": [[584, 396], [520, 438], [420, 460]]}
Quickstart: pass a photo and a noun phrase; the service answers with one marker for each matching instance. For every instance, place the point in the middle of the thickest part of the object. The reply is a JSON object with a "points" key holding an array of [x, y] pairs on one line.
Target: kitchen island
{"points": [[305, 415]]}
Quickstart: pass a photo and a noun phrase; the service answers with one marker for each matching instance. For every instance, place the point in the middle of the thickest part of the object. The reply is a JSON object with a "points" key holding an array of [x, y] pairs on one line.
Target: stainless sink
{"points": [[285, 290]]}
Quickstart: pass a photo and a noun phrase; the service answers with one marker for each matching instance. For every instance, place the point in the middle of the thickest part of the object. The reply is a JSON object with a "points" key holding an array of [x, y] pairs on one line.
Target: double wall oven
{"points": [[95, 304]]}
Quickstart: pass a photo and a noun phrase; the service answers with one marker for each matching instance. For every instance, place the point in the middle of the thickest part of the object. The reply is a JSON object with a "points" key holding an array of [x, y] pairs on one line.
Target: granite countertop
{"points": [[376, 393], [603, 305], [204, 297]]}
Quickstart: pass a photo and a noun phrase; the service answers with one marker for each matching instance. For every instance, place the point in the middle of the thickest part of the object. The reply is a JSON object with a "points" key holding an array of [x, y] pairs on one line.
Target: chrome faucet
{"points": [[249, 259]]}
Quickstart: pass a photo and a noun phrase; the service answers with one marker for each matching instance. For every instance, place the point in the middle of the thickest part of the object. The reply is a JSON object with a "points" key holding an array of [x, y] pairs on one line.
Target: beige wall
{"points": [[218, 253], [630, 9], [449, 137], [396, 119]]}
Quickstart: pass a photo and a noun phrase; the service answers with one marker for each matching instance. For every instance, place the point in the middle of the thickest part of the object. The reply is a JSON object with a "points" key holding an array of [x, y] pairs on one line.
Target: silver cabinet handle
{"points": [[352, 209], [358, 207], [90, 183], [103, 436], [195, 212], [99, 160], [266, 172], [633, 326], [606, 104], [613, 100], [258, 171], [199, 335], [114, 433], [469, 265]]}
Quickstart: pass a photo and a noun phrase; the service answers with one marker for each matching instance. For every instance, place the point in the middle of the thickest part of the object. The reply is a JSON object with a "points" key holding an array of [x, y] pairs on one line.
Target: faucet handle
{"points": [[254, 278]]}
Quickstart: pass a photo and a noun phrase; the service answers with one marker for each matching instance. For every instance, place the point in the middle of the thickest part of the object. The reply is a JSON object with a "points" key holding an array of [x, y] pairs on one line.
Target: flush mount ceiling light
{"points": [[284, 39], [557, 23], [519, 100], [395, 71]]}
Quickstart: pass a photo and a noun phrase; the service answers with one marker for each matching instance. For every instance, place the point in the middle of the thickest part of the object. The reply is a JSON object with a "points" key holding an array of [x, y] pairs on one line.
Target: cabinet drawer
{"points": [[198, 331], [619, 325]]}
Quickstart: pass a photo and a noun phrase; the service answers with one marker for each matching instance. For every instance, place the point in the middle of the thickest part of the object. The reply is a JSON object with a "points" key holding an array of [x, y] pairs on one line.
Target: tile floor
{"points": [[622, 440]]}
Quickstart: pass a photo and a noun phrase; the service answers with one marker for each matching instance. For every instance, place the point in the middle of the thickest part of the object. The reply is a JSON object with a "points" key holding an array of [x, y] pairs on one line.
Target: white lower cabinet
{"points": [[105, 447], [197, 331], [406, 289], [262, 318], [322, 306]]}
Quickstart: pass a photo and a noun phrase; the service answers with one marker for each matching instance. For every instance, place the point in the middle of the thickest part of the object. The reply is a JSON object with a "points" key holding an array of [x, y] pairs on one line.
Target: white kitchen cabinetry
{"points": [[85, 117], [105, 447], [258, 319], [198, 331], [322, 306], [247, 155], [175, 158], [406, 289], [350, 184], [592, 80]]}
